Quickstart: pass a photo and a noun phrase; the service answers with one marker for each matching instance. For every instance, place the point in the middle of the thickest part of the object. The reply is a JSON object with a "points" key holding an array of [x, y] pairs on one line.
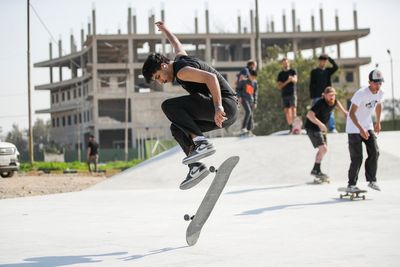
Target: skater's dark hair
{"points": [[253, 73], [250, 63], [152, 65]]}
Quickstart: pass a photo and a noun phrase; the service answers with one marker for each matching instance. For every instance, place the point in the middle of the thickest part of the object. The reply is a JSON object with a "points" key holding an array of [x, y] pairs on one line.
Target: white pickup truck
{"points": [[9, 159]]}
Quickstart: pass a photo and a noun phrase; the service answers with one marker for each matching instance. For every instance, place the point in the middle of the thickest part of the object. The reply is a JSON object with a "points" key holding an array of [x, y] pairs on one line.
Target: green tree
{"points": [[41, 132], [388, 109], [18, 138]]}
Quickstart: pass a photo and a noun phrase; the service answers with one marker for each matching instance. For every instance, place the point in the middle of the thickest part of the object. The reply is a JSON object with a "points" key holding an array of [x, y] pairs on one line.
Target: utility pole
{"points": [[30, 135], [393, 106]]}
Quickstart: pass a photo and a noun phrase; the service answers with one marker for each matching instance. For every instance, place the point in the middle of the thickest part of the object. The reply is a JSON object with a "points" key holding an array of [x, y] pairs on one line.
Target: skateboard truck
{"points": [[187, 217]]}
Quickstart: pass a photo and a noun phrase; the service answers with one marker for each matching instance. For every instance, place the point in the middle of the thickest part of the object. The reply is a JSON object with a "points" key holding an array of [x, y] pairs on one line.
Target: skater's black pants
{"points": [[248, 116], [356, 156], [194, 114]]}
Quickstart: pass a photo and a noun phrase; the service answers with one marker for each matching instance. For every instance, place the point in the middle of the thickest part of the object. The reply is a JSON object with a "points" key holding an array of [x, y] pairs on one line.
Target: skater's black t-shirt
{"points": [[290, 88], [322, 111], [193, 87]]}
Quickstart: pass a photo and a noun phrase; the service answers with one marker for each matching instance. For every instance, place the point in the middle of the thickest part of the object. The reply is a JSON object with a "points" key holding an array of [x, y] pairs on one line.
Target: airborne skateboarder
{"points": [[211, 103]]}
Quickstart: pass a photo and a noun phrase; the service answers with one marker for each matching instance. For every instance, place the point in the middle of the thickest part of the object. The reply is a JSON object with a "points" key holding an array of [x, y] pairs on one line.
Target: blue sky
{"points": [[65, 16]]}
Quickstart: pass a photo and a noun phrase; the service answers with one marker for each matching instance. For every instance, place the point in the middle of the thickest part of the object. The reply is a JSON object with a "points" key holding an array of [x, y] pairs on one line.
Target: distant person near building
{"points": [[286, 82], [244, 73], [92, 153], [247, 92], [320, 78], [211, 103], [360, 129], [315, 126]]}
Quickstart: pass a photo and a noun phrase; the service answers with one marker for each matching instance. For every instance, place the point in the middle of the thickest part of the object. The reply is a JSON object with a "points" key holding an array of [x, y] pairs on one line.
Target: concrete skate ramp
{"points": [[264, 160]]}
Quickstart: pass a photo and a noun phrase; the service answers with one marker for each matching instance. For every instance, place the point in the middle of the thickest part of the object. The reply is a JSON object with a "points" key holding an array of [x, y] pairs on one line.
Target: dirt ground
{"points": [[33, 184]]}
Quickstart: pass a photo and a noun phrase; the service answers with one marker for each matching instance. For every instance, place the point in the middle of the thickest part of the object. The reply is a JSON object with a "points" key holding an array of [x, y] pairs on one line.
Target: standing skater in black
{"points": [[317, 118], [211, 103]]}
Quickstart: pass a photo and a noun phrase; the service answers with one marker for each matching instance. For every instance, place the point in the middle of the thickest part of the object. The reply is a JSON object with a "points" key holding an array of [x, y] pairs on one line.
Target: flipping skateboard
{"points": [[353, 194], [296, 126], [210, 199]]}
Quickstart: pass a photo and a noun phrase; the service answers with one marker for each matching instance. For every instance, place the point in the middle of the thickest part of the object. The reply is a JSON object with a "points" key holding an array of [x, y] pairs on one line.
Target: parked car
{"points": [[9, 159]]}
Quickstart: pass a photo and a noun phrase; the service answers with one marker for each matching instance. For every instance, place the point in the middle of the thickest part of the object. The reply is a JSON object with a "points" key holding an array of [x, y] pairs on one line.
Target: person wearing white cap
{"points": [[360, 129]]}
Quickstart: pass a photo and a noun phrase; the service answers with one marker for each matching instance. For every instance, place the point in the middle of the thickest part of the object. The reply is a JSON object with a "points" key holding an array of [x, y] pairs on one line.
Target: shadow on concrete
{"points": [[281, 207], [52, 261], [262, 189], [150, 253]]}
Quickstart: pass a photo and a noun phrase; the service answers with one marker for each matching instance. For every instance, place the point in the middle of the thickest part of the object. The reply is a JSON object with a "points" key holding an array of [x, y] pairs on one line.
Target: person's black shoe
{"points": [[319, 174], [197, 172], [201, 150]]}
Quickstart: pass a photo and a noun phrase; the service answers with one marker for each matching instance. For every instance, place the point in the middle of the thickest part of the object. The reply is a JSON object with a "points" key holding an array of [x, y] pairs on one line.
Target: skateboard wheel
{"points": [[186, 217], [341, 196], [213, 169], [363, 197]]}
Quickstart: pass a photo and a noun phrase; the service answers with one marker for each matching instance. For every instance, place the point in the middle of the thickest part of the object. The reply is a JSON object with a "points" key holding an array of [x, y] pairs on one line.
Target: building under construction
{"points": [[105, 94]]}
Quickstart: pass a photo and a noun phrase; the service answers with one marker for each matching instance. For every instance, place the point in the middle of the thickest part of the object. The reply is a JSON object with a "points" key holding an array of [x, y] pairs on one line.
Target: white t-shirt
{"points": [[366, 102]]}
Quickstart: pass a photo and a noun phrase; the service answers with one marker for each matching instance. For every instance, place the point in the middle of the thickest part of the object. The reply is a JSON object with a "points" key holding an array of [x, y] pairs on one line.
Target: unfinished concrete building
{"points": [[106, 95]]}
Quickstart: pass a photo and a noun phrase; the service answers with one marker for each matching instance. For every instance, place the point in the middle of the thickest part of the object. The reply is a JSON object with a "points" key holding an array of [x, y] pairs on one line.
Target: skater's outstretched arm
{"points": [[176, 44], [210, 79], [342, 109], [311, 116], [378, 111]]}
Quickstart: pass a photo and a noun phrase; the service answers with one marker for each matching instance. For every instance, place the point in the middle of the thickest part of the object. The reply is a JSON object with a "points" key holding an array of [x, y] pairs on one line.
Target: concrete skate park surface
{"points": [[268, 215]]}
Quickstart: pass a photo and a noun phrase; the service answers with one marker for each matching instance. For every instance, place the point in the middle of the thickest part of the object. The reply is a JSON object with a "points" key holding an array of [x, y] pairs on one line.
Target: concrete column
{"points": [[312, 21], [89, 28], [73, 66], [293, 18], [268, 25], [207, 22], [134, 25], [239, 21], [72, 43], [298, 25], [95, 83], [51, 57], [94, 21], [82, 38], [272, 24], [251, 21], [321, 18], [129, 20], [284, 20], [163, 39], [295, 47], [208, 50], [196, 25], [60, 55], [356, 27], [252, 47], [337, 29]]}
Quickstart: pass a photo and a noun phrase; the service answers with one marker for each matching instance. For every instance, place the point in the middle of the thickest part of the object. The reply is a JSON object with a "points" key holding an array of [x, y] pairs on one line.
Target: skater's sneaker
{"points": [[374, 186], [197, 172], [353, 188], [319, 174], [201, 150]]}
